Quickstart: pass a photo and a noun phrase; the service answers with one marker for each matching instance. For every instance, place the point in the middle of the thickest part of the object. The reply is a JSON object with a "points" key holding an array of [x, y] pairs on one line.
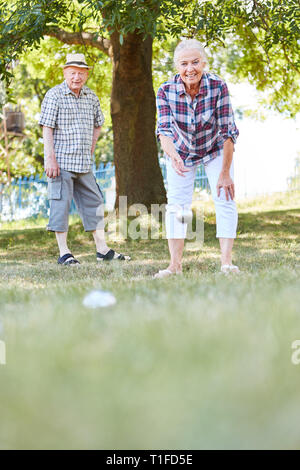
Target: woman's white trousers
{"points": [[180, 194]]}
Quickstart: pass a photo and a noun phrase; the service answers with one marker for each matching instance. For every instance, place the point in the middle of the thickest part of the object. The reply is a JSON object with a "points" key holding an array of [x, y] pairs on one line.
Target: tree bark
{"points": [[81, 38], [138, 175]]}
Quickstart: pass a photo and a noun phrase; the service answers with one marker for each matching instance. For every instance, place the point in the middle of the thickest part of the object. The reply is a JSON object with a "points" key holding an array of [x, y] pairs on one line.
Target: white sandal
{"points": [[165, 273], [230, 269]]}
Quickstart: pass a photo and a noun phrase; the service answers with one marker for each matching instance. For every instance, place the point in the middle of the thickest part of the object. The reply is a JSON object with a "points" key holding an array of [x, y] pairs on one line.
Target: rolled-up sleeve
{"points": [[225, 115], [164, 116], [49, 111], [98, 115]]}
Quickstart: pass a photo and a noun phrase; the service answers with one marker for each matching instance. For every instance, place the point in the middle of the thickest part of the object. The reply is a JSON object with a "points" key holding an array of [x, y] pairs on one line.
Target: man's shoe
{"points": [[112, 255], [67, 260]]}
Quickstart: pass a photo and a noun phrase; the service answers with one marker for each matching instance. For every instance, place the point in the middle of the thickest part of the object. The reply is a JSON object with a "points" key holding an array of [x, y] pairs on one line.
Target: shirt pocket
{"points": [[68, 115], [54, 188], [208, 120]]}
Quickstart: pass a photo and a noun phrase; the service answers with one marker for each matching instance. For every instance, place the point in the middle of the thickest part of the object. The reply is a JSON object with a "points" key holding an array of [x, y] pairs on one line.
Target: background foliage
{"points": [[248, 40]]}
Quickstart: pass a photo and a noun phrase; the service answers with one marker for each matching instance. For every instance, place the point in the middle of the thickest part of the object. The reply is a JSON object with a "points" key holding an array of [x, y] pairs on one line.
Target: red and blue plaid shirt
{"points": [[200, 127]]}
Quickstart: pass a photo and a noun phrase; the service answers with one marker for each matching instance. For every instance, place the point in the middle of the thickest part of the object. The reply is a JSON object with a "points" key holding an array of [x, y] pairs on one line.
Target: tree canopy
{"points": [[254, 40], [261, 37]]}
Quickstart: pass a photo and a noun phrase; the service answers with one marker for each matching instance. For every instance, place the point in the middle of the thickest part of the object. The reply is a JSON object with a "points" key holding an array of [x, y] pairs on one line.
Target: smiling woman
{"points": [[190, 60], [196, 125], [190, 67]]}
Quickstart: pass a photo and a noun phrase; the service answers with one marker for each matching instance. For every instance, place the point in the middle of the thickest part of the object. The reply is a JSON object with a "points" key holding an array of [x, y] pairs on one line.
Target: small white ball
{"points": [[185, 216]]}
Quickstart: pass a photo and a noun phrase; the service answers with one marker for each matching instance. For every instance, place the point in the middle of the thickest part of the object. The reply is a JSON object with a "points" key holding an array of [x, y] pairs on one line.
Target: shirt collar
{"points": [[67, 91], [180, 88]]}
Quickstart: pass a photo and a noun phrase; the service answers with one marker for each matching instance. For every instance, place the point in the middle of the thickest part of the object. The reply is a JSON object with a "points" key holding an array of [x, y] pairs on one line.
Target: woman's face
{"points": [[190, 66]]}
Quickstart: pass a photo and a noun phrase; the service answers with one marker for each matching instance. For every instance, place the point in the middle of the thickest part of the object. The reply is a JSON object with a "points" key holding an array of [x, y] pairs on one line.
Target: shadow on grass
{"points": [[272, 222], [268, 235]]}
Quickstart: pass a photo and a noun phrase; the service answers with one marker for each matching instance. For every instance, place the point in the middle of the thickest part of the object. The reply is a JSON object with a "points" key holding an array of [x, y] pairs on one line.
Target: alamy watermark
{"points": [[2, 353], [296, 354], [138, 222]]}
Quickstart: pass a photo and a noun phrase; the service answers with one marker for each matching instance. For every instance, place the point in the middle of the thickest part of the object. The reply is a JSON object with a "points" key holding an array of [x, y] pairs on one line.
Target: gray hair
{"points": [[189, 44]]}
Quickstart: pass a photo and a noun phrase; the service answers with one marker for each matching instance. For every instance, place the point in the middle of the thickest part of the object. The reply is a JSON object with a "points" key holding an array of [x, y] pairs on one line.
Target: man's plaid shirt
{"points": [[73, 120], [200, 127]]}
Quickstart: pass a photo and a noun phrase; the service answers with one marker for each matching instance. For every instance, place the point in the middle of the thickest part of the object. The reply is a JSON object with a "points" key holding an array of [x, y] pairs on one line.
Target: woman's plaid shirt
{"points": [[200, 127], [73, 120]]}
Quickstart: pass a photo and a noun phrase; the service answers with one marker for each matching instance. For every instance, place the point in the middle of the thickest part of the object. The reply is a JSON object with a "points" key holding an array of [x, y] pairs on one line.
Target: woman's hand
{"points": [[169, 148], [227, 184], [178, 165]]}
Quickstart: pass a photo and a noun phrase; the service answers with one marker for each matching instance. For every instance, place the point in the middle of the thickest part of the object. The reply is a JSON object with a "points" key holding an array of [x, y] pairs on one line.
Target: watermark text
{"points": [[296, 354], [2, 353]]}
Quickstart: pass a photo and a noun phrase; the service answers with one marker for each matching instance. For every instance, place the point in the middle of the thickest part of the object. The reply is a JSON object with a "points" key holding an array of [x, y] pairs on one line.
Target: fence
{"points": [[27, 197]]}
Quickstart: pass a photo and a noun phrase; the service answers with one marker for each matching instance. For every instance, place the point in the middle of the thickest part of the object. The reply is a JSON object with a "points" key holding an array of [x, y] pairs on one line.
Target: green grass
{"points": [[192, 362]]}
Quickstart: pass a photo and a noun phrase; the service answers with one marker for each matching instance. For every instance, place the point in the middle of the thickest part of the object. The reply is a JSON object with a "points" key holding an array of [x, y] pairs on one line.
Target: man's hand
{"points": [[51, 168], [227, 184], [96, 133], [178, 165]]}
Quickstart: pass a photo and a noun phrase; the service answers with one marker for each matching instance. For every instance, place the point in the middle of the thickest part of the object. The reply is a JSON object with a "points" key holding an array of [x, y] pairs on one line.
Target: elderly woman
{"points": [[196, 125]]}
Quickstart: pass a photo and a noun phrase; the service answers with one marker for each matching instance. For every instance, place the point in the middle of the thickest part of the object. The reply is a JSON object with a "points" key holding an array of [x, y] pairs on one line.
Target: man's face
{"points": [[75, 77], [190, 66]]}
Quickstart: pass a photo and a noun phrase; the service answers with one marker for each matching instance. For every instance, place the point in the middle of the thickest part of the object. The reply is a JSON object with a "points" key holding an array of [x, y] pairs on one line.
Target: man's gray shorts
{"points": [[87, 196]]}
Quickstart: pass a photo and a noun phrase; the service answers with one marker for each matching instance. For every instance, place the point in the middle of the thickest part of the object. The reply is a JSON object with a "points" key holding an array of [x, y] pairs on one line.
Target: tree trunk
{"points": [[138, 175]]}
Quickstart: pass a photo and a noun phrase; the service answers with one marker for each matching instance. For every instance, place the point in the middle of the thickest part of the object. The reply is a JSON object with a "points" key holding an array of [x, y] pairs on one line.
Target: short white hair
{"points": [[189, 44]]}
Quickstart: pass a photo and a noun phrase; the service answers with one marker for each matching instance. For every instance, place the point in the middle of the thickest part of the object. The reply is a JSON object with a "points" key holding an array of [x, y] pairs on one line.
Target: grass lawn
{"points": [[192, 362]]}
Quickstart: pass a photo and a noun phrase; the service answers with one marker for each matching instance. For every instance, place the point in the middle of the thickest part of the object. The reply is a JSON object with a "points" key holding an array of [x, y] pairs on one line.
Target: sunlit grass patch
{"points": [[194, 361]]}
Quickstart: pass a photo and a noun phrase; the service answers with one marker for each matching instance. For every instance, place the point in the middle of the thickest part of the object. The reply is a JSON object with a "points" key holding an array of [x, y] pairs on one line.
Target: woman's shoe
{"points": [[165, 273], [67, 260]]}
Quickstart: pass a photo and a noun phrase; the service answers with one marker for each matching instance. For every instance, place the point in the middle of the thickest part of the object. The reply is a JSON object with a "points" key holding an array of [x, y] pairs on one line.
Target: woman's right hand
{"points": [[169, 149], [178, 165]]}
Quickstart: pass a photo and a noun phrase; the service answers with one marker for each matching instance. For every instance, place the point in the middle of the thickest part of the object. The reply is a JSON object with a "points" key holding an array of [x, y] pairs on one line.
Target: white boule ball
{"points": [[185, 216], [99, 298]]}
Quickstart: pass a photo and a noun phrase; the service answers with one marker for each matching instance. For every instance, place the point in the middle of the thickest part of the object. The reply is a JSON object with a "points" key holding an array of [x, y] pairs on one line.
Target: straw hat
{"points": [[76, 60]]}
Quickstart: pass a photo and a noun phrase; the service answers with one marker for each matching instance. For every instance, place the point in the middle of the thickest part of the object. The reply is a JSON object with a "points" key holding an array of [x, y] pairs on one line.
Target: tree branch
{"points": [[86, 39], [288, 59]]}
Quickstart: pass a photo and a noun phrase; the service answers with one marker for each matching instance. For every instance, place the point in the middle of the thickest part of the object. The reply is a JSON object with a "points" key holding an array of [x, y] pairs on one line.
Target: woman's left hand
{"points": [[227, 184]]}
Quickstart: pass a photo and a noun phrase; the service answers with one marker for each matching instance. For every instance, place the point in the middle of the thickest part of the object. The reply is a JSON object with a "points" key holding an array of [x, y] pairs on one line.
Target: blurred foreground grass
{"points": [[200, 361]]}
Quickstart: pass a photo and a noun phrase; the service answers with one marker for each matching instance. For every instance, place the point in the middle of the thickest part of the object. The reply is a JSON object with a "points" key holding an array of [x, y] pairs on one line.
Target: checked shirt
{"points": [[200, 127], [73, 120]]}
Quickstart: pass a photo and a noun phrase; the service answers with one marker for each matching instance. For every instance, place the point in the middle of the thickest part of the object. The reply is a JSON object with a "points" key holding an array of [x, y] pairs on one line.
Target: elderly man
{"points": [[72, 118], [196, 125]]}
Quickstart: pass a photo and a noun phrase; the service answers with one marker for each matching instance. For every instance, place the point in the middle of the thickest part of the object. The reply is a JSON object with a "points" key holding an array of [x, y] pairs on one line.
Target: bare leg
{"points": [[176, 246], [102, 248], [99, 237], [61, 238], [226, 245]]}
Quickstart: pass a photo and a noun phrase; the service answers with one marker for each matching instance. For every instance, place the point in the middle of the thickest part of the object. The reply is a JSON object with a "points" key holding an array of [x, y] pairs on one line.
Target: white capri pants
{"points": [[180, 194]]}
